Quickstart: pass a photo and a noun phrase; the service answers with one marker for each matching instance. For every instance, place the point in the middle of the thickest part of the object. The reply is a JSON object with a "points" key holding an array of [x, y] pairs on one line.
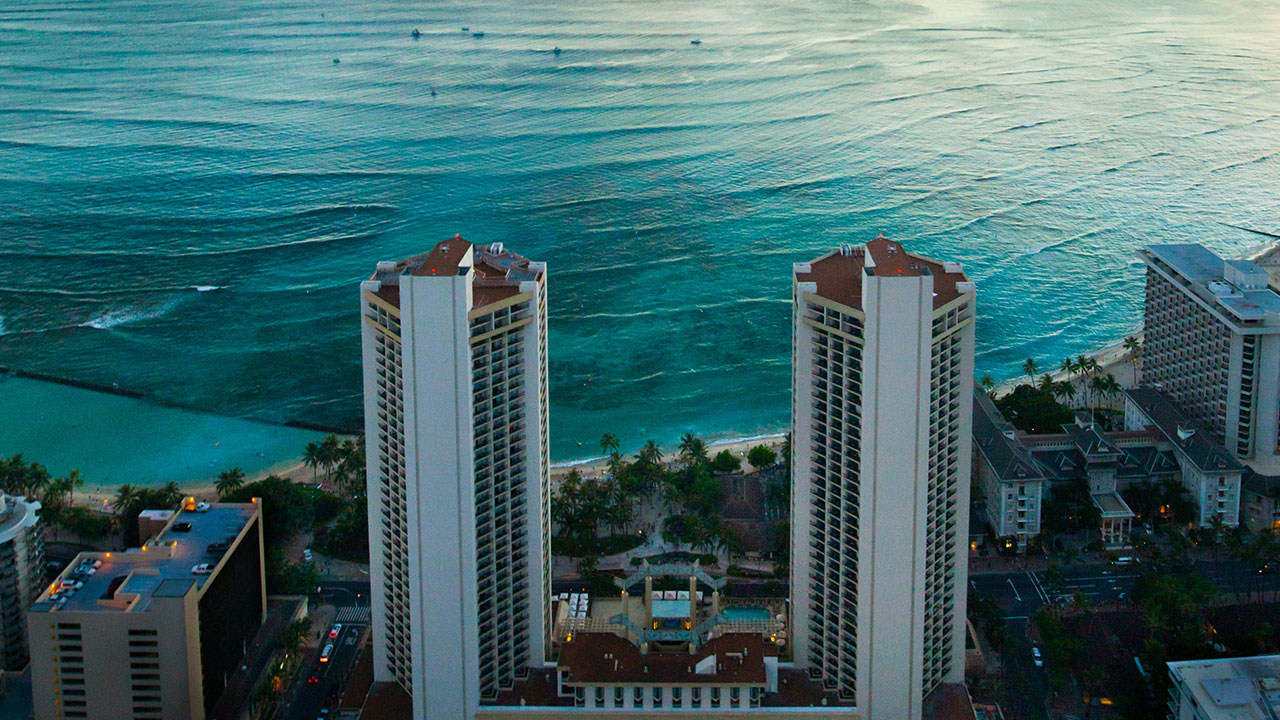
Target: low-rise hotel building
{"points": [[1013, 484], [455, 398], [21, 575], [1209, 472], [1018, 472], [155, 631], [1212, 342], [882, 372]]}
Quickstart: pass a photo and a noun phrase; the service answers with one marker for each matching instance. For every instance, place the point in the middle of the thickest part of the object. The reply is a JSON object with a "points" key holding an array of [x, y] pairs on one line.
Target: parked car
{"points": [[201, 569], [202, 507], [337, 630], [182, 527], [324, 654], [306, 555], [1036, 658], [1125, 560]]}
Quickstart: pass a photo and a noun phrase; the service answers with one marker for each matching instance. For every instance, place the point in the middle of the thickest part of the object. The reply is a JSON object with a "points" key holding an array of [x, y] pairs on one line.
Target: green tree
{"points": [[1133, 346], [229, 480], [761, 456], [693, 450], [1033, 410], [726, 462], [313, 457], [987, 383], [1030, 368]]}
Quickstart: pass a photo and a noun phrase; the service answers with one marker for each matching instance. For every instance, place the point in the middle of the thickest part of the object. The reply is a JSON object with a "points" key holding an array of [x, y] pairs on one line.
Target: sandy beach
{"points": [[100, 496], [738, 446]]}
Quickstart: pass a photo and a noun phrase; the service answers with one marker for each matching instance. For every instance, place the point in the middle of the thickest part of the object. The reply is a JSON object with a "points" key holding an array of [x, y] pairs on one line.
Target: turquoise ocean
{"points": [[190, 192]]}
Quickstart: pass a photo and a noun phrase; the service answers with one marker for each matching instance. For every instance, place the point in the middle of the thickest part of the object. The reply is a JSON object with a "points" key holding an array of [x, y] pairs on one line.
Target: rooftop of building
{"points": [[1180, 430], [16, 513], [838, 274], [949, 701], [498, 272], [597, 657], [1259, 484], [162, 567], [997, 441], [1233, 688], [1239, 287]]}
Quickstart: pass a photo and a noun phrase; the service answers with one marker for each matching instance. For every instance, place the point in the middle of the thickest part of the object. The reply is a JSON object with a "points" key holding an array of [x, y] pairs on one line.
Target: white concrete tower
{"points": [[882, 369], [455, 390], [1212, 344]]}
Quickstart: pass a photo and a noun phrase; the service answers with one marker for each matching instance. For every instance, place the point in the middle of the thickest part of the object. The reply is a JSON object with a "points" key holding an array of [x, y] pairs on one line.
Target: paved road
{"points": [[1020, 593], [329, 677]]}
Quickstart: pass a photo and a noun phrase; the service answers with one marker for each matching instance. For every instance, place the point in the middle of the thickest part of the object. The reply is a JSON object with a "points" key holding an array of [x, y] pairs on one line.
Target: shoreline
{"points": [[739, 446]]}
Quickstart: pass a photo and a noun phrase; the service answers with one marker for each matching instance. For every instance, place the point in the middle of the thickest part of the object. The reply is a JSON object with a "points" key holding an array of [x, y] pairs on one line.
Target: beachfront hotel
{"points": [[152, 632], [21, 575], [1212, 344], [882, 370], [455, 398]]}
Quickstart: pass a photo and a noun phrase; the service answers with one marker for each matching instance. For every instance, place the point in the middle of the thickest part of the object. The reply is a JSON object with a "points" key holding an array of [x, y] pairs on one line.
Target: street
{"points": [[1020, 593], [313, 697]]}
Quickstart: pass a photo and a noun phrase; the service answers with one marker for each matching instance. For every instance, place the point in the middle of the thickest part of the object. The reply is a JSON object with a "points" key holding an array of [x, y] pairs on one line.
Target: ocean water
{"points": [[190, 192], [116, 440]]}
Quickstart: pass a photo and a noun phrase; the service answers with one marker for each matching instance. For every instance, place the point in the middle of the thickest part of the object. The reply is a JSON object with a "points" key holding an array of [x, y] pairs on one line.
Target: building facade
{"points": [[455, 390], [1212, 342], [1245, 688], [1013, 484], [1208, 472], [152, 632], [21, 575], [882, 371]]}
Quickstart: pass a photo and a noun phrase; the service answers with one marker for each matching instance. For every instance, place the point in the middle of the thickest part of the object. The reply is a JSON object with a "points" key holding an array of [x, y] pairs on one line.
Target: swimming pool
{"points": [[746, 613]]}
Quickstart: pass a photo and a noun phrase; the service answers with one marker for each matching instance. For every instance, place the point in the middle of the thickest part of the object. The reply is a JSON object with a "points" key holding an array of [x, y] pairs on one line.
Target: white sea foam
{"points": [[124, 316]]}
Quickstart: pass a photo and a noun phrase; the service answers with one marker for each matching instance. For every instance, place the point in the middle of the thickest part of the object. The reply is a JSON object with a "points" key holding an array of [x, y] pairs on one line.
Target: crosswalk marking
{"points": [[353, 615]]}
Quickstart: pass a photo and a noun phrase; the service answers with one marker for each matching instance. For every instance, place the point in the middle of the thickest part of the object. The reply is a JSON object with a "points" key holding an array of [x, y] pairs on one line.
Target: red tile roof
{"points": [[839, 276], [607, 658]]}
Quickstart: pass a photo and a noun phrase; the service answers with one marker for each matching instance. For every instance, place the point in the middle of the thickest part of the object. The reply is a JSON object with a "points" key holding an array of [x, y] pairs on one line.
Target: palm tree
{"points": [[229, 481], [170, 494], [1065, 390], [73, 481], [1068, 367], [1030, 368], [1096, 387], [1046, 383], [1133, 346], [693, 449], [124, 497], [330, 454], [311, 457], [609, 444], [988, 383]]}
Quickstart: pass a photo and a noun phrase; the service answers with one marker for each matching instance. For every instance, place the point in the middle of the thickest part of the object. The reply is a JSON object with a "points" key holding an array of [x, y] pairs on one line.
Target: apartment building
{"points": [[1212, 342], [455, 389], [882, 371], [1245, 688], [21, 575], [152, 632]]}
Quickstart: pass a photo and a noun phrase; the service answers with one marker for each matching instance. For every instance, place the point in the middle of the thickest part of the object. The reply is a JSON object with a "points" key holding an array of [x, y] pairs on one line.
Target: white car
{"points": [[1036, 658], [202, 507], [324, 654], [306, 555], [201, 569]]}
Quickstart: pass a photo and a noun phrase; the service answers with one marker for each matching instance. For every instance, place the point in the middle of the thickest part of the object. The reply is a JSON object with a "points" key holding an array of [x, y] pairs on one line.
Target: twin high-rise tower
{"points": [[455, 393], [455, 384], [882, 402]]}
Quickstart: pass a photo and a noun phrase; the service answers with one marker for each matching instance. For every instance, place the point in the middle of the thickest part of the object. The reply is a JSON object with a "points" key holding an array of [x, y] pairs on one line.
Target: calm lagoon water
{"points": [[190, 192]]}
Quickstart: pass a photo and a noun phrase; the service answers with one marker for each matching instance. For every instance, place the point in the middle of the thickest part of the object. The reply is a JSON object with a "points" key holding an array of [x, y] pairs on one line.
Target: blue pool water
{"points": [[746, 613], [190, 192]]}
